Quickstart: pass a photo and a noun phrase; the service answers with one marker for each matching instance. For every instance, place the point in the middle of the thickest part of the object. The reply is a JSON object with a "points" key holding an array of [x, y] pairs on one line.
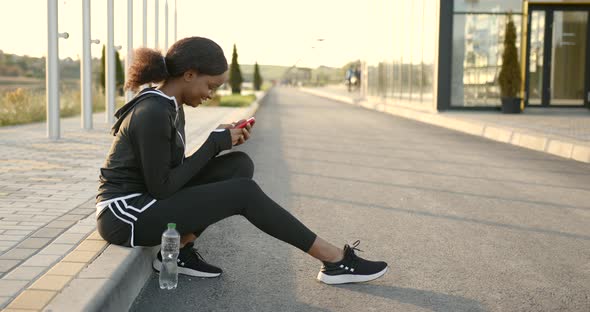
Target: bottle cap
{"points": [[172, 225]]}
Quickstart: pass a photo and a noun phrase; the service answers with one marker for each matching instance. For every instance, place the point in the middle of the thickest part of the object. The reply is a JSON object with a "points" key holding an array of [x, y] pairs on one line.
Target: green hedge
{"points": [[23, 106], [237, 100], [233, 100]]}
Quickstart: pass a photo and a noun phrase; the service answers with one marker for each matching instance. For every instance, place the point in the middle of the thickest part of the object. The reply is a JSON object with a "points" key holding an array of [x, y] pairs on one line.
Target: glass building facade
{"points": [[478, 37], [443, 54], [403, 72]]}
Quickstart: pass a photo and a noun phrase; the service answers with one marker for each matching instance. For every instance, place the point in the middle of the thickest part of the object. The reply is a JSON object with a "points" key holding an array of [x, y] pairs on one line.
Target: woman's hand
{"points": [[225, 126], [239, 136]]}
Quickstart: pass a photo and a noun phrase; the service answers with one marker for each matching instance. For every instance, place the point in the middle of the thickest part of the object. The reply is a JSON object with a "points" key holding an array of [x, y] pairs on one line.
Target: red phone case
{"points": [[250, 120]]}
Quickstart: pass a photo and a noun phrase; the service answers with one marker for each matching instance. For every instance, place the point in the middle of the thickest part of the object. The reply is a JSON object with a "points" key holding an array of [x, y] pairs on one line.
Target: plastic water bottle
{"points": [[170, 250]]}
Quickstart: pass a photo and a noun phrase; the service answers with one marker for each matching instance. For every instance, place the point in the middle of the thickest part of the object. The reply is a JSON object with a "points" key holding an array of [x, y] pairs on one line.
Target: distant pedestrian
{"points": [[349, 77], [147, 182], [357, 76]]}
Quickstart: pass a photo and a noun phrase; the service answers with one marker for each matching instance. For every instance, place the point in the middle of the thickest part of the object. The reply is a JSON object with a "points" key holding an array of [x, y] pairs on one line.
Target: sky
{"points": [[271, 32]]}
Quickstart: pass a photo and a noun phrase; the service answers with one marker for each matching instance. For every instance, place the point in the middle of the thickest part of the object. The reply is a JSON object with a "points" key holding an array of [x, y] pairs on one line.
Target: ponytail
{"points": [[148, 66]]}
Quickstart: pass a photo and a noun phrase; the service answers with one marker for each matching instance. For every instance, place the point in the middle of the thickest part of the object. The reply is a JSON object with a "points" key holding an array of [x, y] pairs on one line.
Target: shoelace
{"points": [[196, 253], [355, 244], [354, 260]]}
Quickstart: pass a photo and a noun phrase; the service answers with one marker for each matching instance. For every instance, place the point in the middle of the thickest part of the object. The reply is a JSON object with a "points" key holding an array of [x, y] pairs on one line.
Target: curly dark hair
{"points": [[197, 53]]}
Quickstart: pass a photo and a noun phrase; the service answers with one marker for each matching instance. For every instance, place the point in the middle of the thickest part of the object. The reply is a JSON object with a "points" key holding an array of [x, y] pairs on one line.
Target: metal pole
{"points": [[175, 22], [166, 26], [52, 72], [129, 58], [86, 68], [157, 43], [144, 23], [110, 66]]}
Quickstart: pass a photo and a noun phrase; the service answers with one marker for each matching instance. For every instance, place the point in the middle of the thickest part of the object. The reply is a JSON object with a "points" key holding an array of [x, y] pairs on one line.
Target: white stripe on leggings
{"points": [[140, 210], [103, 204], [124, 213], [126, 221]]}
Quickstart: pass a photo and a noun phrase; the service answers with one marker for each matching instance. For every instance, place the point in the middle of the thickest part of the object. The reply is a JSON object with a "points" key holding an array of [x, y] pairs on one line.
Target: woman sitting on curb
{"points": [[147, 182]]}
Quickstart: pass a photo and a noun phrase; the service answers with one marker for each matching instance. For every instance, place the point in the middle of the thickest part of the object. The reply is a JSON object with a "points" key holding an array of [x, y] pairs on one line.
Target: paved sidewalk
{"points": [[45, 189], [47, 197], [563, 132]]}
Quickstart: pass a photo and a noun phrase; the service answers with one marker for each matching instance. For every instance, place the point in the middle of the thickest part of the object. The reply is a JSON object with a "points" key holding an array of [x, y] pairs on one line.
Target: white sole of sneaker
{"points": [[158, 267], [348, 278]]}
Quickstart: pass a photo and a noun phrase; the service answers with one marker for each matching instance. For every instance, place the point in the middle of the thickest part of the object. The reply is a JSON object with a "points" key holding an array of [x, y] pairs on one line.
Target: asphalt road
{"points": [[466, 224]]}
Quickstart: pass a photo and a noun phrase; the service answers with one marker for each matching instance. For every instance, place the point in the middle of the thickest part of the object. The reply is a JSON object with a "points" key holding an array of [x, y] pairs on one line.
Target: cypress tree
{"points": [[235, 75], [120, 73], [509, 78], [257, 77], [102, 68]]}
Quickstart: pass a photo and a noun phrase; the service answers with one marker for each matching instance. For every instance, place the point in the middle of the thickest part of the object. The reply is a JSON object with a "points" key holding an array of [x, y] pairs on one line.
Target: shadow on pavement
{"points": [[549, 205], [450, 217], [422, 298], [425, 172], [438, 161]]}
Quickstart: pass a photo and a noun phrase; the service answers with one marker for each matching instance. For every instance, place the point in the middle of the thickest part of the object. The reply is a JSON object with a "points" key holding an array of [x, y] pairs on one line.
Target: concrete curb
{"points": [[554, 145], [114, 279], [109, 283]]}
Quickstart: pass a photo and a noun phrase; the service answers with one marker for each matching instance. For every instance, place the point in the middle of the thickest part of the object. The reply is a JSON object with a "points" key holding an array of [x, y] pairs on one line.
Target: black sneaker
{"points": [[190, 262], [351, 269]]}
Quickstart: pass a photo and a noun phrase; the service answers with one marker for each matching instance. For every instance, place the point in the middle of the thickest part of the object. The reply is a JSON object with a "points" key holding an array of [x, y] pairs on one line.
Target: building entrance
{"points": [[558, 58]]}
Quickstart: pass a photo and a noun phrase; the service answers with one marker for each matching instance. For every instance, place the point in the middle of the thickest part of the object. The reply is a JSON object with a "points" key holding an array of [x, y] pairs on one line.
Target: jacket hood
{"points": [[127, 108]]}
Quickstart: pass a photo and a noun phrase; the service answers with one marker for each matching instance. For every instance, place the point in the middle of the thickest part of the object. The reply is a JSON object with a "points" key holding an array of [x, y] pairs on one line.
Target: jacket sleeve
{"points": [[151, 134]]}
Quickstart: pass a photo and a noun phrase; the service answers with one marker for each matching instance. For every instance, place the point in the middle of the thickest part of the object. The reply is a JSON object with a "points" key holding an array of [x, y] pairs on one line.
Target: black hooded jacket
{"points": [[148, 152]]}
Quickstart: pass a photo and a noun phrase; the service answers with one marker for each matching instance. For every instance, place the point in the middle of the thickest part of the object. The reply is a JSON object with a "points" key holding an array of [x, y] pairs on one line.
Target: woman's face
{"points": [[200, 87]]}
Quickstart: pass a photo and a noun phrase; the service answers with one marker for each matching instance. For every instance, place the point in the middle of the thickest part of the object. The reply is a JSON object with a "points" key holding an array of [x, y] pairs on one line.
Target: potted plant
{"points": [[510, 78]]}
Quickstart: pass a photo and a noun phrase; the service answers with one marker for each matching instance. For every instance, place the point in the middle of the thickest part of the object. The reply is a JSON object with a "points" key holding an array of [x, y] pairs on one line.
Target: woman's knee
{"points": [[246, 188], [246, 184], [249, 195], [243, 164]]}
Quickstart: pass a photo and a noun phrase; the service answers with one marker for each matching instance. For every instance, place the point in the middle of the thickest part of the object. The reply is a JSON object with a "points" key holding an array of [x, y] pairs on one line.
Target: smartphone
{"points": [[250, 121]]}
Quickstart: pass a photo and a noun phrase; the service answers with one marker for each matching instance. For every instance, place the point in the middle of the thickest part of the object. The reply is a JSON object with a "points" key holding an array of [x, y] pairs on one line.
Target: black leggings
{"points": [[223, 188]]}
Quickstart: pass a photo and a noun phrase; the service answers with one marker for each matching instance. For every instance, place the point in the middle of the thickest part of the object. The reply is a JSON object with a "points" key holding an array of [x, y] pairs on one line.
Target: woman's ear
{"points": [[189, 75]]}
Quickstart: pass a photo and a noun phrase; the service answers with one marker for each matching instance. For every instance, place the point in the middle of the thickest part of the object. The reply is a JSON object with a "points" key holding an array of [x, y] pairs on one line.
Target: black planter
{"points": [[511, 105]]}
